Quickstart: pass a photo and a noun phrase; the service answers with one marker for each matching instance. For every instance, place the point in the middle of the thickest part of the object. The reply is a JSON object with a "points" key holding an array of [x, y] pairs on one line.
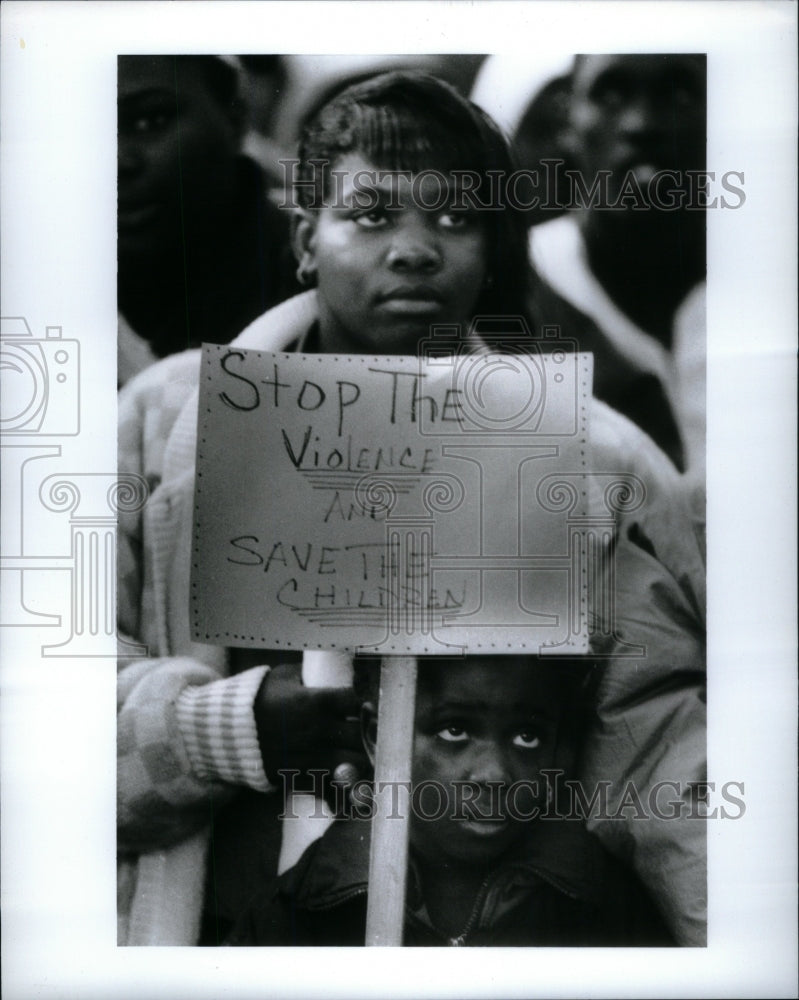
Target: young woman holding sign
{"points": [[400, 226]]}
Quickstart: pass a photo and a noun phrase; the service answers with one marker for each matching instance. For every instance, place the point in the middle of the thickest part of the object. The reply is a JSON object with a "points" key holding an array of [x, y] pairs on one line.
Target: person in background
{"points": [[201, 250], [542, 139], [623, 273]]}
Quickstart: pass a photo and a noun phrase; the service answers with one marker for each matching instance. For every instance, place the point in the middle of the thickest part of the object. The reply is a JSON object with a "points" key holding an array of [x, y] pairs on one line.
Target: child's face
{"points": [[387, 273], [492, 724]]}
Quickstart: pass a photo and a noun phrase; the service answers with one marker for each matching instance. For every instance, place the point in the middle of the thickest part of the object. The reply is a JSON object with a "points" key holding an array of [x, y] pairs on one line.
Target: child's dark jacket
{"points": [[564, 890]]}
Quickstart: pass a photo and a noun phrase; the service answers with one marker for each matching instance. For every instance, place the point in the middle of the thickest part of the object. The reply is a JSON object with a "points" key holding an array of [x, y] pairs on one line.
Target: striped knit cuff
{"points": [[217, 722]]}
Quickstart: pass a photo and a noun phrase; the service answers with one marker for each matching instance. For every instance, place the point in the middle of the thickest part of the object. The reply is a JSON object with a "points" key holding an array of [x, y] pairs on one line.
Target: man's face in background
{"points": [[638, 115]]}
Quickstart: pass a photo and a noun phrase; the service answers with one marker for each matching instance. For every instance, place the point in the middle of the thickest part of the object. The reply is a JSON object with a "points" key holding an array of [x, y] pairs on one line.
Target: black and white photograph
{"points": [[402, 397]]}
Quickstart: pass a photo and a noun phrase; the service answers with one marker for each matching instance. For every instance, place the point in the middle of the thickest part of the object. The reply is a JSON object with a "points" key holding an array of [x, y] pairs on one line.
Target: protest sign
{"points": [[353, 503]]}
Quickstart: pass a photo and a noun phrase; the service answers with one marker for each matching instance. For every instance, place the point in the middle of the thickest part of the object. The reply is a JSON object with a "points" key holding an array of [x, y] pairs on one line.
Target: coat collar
{"points": [[562, 855]]}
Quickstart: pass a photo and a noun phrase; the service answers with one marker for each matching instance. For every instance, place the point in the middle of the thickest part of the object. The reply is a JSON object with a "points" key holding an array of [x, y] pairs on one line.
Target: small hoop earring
{"points": [[304, 276]]}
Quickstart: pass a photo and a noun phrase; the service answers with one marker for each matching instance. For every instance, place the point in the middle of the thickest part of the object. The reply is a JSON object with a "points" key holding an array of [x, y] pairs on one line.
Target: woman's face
{"points": [[391, 259]]}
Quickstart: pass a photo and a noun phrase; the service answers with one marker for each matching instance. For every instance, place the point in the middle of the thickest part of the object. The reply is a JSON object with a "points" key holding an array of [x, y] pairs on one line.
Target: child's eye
{"points": [[453, 734], [527, 740]]}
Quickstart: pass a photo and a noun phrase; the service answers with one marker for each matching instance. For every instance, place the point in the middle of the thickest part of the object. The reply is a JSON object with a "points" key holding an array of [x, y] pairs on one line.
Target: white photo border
{"points": [[59, 63]]}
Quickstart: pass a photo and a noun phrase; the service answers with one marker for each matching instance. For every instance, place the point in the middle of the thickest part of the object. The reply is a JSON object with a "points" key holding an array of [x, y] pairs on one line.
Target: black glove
{"points": [[307, 729]]}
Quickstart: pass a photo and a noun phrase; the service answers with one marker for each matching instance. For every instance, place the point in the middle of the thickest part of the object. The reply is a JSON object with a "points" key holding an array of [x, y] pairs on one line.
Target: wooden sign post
{"points": [[388, 860]]}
